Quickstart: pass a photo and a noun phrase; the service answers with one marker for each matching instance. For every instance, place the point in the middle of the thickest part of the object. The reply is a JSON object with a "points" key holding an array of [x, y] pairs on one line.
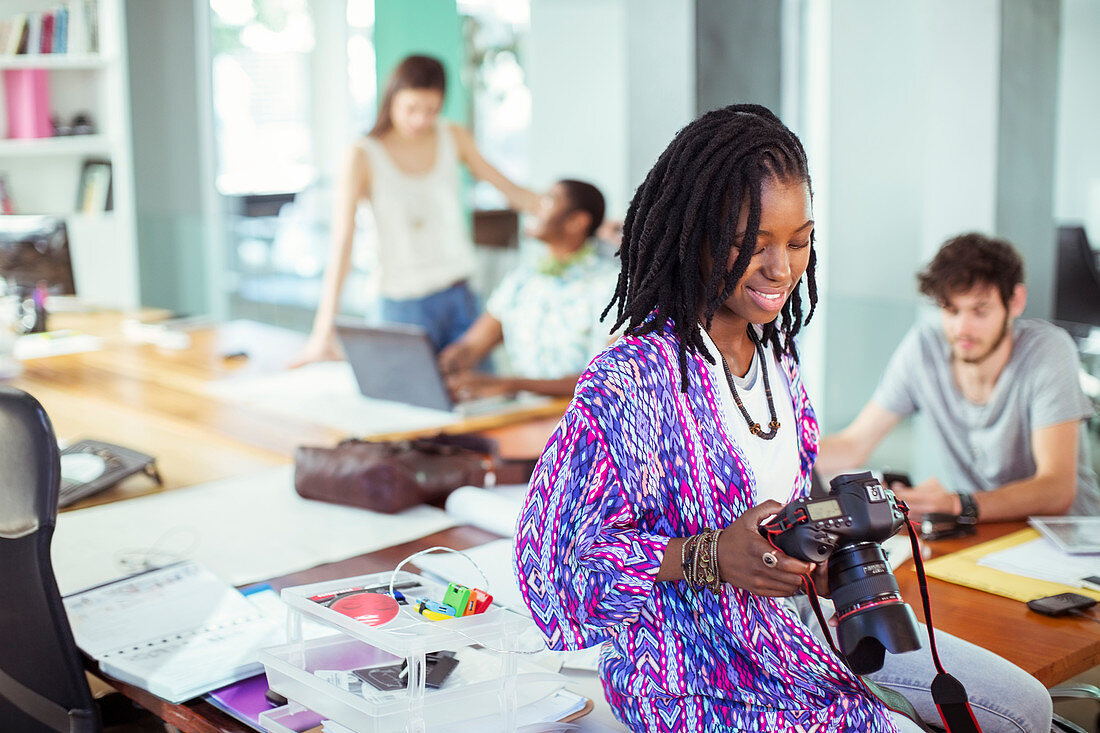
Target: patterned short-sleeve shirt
{"points": [[550, 313]]}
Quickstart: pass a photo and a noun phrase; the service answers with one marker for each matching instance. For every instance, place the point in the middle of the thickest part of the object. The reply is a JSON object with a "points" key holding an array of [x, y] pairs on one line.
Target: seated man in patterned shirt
{"points": [[545, 312]]}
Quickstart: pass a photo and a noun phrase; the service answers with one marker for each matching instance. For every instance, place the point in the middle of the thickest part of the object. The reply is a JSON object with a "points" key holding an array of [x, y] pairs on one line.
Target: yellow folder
{"points": [[962, 568]]}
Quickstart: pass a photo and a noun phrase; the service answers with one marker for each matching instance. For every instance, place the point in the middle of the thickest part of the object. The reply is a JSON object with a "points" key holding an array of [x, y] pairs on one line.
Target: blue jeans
{"points": [[444, 315], [1004, 698]]}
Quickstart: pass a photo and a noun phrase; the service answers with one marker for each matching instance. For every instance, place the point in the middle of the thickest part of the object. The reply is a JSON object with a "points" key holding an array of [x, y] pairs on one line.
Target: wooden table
{"points": [[156, 401], [1050, 649], [1055, 649], [153, 400]]}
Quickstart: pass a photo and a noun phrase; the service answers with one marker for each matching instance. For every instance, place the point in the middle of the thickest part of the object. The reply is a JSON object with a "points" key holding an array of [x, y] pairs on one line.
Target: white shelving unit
{"points": [[91, 145], [43, 175], [55, 61]]}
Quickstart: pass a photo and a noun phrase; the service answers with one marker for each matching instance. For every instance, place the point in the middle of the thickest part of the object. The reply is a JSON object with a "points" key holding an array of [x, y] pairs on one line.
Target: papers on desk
{"points": [[1042, 560], [54, 343], [494, 510], [965, 568], [327, 394], [178, 631], [244, 529]]}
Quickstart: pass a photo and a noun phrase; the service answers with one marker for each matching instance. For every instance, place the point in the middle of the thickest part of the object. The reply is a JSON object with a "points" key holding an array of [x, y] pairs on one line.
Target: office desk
{"points": [[156, 401], [153, 400], [1050, 649], [1054, 650]]}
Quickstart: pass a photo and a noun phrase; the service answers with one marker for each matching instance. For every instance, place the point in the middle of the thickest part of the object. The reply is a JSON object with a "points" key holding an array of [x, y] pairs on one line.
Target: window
{"points": [[262, 95], [495, 33]]}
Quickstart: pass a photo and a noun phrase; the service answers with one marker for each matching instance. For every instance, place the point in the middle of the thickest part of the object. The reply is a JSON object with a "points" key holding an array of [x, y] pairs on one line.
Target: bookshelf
{"points": [[91, 145], [43, 175], [55, 61]]}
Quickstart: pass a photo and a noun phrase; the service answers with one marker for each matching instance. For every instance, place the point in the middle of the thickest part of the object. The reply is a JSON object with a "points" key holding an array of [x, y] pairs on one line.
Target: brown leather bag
{"points": [[391, 476]]}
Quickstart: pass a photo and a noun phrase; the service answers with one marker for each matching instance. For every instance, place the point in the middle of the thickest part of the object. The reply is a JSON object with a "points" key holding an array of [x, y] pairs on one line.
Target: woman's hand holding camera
{"points": [[742, 561]]}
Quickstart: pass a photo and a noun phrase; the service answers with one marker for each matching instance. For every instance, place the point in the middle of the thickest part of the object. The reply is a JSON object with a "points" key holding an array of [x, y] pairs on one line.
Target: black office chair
{"points": [[1077, 288], [42, 681]]}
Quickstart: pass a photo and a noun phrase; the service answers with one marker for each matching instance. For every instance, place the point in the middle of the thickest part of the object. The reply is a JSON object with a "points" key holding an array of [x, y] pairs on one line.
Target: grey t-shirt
{"points": [[986, 446]]}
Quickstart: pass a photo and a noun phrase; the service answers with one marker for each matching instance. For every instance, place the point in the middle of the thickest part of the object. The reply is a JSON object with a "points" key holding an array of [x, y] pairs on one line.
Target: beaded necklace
{"points": [[754, 427]]}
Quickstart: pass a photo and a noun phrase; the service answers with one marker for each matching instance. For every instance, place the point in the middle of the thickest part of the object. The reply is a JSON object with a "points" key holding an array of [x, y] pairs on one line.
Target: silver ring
{"points": [[770, 559]]}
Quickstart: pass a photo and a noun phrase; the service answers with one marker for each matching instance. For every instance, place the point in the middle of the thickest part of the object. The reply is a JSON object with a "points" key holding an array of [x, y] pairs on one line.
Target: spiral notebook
{"points": [[178, 631]]}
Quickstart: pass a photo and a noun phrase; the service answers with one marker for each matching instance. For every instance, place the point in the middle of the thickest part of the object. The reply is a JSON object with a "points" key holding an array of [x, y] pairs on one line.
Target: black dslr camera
{"points": [[847, 527]]}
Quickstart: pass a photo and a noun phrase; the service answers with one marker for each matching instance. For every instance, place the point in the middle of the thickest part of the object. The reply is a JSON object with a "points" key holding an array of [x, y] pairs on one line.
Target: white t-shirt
{"points": [[773, 464]]}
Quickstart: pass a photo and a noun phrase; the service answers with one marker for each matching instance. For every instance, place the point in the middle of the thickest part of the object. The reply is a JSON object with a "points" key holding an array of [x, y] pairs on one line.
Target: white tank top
{"points": [[423, 243]]}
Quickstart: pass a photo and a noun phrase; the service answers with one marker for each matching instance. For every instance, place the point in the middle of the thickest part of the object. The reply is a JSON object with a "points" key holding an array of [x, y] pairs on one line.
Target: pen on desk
{"points": [[322, 597]]}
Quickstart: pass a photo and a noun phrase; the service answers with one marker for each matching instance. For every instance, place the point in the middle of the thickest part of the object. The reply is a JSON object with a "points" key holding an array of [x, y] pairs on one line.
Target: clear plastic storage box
{"points": [[486, 682], [292, 718]]}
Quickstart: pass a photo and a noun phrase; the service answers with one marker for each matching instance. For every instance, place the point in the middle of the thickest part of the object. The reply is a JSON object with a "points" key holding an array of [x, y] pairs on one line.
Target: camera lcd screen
{"points": [[824, 509]]}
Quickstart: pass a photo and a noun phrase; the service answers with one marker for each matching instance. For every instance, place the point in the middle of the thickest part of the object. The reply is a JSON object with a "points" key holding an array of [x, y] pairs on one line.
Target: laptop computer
{"points": [[397, 362]]}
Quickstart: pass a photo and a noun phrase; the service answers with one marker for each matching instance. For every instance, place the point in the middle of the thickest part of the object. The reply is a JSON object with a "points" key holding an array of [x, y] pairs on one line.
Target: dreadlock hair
{"points": [[690, 200]]}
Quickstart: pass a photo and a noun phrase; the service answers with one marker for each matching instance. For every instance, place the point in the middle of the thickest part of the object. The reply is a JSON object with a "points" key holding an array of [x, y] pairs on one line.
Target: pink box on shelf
{"points": [[28, 95]]}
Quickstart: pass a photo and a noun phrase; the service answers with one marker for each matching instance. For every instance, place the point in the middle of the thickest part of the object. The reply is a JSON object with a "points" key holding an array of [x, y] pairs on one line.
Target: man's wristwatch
{"points": [[969, 513]]}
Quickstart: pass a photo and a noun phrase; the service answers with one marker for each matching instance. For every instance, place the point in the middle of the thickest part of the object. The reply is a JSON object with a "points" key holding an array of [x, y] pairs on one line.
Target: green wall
{"points": [[430, 27]]}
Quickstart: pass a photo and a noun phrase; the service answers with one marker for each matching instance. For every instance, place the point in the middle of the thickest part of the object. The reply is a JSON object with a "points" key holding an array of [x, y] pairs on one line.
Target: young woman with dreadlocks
{"points": [[639, 529]]}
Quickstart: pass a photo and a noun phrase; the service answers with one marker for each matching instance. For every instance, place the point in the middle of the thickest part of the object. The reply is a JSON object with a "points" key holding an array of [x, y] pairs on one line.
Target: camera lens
{"points": [[872, 615], [859, 575]]}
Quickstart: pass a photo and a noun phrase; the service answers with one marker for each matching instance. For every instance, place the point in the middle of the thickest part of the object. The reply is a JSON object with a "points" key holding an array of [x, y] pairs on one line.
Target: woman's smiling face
{"points": [[782, 251]]}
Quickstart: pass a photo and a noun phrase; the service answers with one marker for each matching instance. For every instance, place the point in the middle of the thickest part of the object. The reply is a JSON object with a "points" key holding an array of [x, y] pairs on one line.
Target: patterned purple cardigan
{"points": [[634, 462]]}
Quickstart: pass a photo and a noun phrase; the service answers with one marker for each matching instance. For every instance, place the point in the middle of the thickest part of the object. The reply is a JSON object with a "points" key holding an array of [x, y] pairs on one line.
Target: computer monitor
{"points": [[35, 249]]}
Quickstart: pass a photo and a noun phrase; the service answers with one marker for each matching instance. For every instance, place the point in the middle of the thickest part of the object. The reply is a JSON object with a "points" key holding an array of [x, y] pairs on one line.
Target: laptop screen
{"points": [[394, 362]]}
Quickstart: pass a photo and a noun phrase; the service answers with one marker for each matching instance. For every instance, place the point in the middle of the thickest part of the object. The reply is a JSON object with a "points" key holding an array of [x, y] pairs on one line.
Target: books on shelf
{"points": [[13, 34], [66, 28], [94, 195]]}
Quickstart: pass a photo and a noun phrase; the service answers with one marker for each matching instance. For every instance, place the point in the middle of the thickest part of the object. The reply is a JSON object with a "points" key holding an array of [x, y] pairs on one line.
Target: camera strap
{"points": [[891, 698], [947, 692]]}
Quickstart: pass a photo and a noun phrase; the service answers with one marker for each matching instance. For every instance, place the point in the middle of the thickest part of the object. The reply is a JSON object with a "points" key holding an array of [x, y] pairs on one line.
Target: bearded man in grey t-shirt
{"points": [[1002, 393]]}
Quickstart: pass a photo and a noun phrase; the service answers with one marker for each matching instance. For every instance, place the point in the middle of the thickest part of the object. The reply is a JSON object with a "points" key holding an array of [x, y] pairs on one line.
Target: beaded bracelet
{"points": [[684, 556], [687, 556], [709, 559], [699, 558]]}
